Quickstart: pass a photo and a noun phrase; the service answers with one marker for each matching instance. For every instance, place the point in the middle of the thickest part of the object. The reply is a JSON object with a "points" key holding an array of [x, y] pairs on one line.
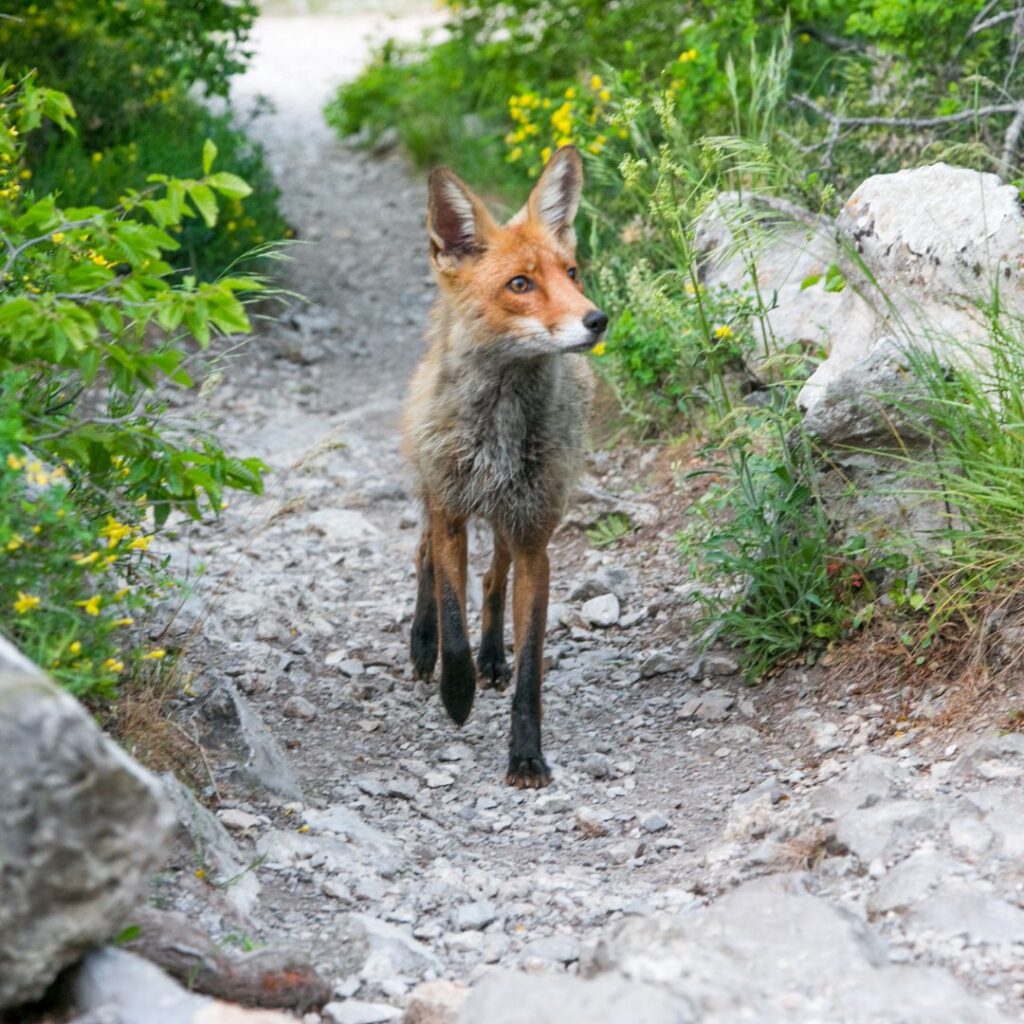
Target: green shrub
{"points": [[672, 103], [123, 60], [84, 176], [778, 579], [967, 456], [95, 333], [133, 68]]}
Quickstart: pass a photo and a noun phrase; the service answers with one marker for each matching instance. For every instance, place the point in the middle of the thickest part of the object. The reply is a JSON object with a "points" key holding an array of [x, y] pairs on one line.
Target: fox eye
{"points": [[573, 273], [520, 284]]}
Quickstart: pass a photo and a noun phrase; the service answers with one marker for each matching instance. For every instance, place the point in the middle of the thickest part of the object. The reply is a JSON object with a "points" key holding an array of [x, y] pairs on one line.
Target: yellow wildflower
{"points": [[15, 542], [570, 93], [599, 349], [15, 462], [140, 543], [595, 82], [516, 154], [91, 605], [545, 154], [121, 593], [155, 655], [723, 331], [199, 873], [37, 529], [115, 531], [75, 647], [85, 559], [97, 157], [604, 95], [57, 237], [26, 602], [113, 665], [126, 621]]}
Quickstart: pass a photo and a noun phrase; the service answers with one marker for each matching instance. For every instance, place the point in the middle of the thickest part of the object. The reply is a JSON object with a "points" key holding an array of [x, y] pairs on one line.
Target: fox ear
{"points": [[556, 196], [457, 221]]}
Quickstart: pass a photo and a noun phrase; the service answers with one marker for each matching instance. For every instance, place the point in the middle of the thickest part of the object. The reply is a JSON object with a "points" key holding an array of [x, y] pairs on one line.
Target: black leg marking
{"points": [[495, 670], [458, 677], [527, 768], [423, 639]]}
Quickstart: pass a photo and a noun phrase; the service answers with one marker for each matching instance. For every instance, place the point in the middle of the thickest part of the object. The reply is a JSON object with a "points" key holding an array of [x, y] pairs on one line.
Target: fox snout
{"points": [[581, 335]]}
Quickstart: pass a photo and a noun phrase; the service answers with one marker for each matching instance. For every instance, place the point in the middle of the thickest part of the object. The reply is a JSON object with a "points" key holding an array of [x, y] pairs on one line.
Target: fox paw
{"points": [[423, 651], [495, 671], [528, 772], [458, 684]]}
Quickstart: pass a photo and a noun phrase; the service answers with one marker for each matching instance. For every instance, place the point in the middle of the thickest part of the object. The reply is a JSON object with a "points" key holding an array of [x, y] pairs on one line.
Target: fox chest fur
{"points": [[499, 439]]}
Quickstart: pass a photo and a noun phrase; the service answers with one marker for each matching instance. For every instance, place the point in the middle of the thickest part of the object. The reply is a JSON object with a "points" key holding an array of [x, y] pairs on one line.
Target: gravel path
{"points": [[371, 832]]}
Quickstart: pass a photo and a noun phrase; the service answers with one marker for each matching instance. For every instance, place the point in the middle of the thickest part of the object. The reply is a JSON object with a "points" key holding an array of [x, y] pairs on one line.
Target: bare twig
{"points": [[907, 122], [996, 19], [14, 251], [1010, 140]]}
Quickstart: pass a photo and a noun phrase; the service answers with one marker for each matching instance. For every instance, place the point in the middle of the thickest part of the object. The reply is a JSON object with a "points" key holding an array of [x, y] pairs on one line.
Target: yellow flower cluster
{"points": [[114, 532], [26, 602], [98, 258], [572, 120]]}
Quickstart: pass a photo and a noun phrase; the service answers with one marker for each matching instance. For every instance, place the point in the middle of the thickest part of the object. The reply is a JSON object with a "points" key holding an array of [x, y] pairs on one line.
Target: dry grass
{"points": [[141, 721]]}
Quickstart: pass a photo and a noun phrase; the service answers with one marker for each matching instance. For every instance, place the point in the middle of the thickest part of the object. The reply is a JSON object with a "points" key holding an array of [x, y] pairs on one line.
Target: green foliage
{"points": [[968, 406], [95, 335], [778, 581], [122, 60], [609, 530], [132, 69], [247, 224], [672, 103]]}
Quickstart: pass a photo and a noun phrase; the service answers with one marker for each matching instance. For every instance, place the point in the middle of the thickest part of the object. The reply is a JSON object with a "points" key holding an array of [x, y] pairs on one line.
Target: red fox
{"points": [[494, 428]]}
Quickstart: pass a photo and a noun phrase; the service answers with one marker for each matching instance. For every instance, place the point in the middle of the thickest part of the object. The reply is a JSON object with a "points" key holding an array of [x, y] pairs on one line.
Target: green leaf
{"points": [[230, 185], [209, 155], [834, 279], [809, 281], [206, 203], [126, 935]]}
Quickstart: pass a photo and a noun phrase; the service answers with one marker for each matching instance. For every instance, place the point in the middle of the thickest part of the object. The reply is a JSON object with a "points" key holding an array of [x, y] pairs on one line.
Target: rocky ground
{"points": [[712, 852]]}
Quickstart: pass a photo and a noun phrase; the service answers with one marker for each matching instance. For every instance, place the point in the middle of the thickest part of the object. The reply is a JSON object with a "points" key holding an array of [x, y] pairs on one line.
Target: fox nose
{"points": [[595, 321]]}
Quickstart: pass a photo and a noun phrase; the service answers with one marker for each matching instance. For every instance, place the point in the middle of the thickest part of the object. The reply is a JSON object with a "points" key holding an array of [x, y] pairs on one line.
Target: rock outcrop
{"points": [[82, 826], [912, 266]]}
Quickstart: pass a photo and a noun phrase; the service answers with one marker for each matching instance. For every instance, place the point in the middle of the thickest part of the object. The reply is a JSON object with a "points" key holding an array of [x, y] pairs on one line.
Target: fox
{"points": [[494, 427]]}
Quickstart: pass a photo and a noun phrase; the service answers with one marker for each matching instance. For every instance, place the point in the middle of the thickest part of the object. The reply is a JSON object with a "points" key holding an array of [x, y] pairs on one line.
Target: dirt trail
{"points": [[304, 610]]}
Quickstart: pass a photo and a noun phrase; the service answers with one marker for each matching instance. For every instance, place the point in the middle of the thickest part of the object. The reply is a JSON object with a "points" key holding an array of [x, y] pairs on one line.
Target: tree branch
{"points": [[907, 122]]}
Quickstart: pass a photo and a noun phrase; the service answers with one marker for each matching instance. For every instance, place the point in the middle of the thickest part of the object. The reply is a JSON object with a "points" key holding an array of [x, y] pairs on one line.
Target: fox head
{"points": [[518, 283]]}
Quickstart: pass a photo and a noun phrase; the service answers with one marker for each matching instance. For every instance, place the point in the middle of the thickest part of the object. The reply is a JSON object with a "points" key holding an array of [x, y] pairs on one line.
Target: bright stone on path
{"points": [[654, 822], [601, 611], [475, 916], [236, 819], [299, 707], [355, 1011], [438, 780]]}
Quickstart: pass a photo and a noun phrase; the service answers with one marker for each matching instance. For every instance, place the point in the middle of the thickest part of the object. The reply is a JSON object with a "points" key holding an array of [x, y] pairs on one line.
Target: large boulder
{"points": [[505, 997], [82, 826], [772, 249], [771, 952], [936, 243], [918, 257], [120, 988], [919, 251]]}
